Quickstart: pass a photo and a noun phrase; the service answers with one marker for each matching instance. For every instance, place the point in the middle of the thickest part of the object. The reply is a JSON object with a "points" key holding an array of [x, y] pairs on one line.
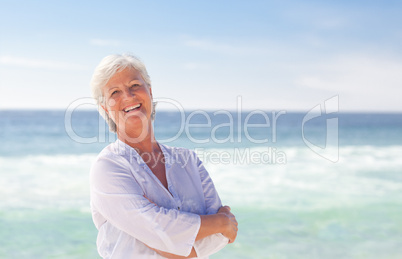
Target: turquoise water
{"points": [[290, 201]]}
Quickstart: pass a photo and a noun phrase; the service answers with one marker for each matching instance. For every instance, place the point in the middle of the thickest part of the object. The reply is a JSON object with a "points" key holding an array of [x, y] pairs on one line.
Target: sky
{"points": [[269, 55]]}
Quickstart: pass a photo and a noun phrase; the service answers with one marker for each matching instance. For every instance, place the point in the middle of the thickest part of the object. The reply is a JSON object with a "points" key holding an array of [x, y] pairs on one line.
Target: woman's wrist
{"points": [[211, 224], [223, 222]]}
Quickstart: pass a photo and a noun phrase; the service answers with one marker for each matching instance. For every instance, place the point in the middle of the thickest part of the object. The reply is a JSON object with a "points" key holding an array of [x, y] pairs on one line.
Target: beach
{"points": [[291, 201]]}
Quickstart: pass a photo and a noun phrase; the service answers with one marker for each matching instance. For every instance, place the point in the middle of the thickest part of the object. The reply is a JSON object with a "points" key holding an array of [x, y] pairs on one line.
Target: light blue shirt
{"points": [[126, 220]]}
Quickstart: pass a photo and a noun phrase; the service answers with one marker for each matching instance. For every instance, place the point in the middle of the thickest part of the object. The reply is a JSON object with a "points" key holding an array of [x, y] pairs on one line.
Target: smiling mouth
{"points": [[132, 108]]}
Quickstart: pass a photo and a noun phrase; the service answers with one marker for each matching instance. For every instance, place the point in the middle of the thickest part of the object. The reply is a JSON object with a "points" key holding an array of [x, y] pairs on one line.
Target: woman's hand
{"points": [[230, 224], [223, 219]]}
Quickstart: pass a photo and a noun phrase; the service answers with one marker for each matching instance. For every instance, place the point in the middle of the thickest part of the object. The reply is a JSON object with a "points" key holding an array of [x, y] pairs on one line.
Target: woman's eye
{"points": [[114, 92], [135, 85]]}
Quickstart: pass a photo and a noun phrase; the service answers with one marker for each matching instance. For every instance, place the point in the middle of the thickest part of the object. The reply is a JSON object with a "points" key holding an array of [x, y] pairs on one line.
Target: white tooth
{"points": [[132, 108]]}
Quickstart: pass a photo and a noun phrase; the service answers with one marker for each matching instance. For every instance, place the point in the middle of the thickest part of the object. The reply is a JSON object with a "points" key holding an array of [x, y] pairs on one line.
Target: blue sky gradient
{"points": [[276, 55]]}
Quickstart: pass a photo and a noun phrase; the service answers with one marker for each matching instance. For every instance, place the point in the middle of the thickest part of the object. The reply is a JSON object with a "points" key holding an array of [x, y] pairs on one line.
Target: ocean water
{"points": [[328, 187]]}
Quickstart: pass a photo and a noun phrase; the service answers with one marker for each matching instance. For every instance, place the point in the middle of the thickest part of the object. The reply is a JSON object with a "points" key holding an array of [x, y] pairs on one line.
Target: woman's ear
{"points": [[103, 107]]}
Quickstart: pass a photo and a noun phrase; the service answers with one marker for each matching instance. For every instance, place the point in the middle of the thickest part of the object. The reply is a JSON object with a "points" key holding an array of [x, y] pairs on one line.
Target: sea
{"points": [[301, 185]]}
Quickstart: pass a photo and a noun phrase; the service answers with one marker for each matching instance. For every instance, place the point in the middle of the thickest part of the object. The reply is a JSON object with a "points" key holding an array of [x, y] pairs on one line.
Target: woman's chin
{"points": [[135, 127]]}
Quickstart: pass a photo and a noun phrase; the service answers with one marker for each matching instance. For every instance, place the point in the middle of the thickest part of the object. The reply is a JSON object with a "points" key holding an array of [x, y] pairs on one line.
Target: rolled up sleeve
{"points": [[117, 196], [213, 243]]}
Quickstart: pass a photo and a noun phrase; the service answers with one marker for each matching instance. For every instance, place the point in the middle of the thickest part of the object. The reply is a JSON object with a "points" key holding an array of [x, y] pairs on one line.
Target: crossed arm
{"points": [[119, 199], [223, 222]]}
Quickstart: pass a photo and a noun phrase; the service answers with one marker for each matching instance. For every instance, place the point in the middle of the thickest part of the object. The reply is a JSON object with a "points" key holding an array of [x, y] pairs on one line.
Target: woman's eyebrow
{"points": [[111, 88], [129, 83], [134, 80]]}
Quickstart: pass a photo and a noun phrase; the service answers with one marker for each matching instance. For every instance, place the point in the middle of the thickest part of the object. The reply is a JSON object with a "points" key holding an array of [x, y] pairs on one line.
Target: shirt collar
{"points": [[168, 157], [123, 149]]}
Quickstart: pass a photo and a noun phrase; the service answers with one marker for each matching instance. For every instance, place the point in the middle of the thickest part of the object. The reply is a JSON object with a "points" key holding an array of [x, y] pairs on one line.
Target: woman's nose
{"points": [[128, 93]]}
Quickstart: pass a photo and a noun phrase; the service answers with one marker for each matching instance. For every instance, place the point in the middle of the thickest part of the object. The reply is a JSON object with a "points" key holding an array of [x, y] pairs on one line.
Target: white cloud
{"points": [[105, 42], [193, 66], [321, 16], [38, 63], [226, 48], [354, 74], [209, 45], [362, 82]]}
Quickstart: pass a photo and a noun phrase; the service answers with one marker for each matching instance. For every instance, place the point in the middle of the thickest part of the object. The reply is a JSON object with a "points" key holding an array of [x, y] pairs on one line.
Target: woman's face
{"points": [[129, 103]]}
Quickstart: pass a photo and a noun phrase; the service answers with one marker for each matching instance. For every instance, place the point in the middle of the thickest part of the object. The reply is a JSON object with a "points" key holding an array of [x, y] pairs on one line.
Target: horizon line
{"points": [[206, 110]]}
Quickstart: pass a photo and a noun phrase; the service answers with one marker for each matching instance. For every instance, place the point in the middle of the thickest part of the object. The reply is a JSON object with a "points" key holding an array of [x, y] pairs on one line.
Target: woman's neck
{"points": [[146, 144]]}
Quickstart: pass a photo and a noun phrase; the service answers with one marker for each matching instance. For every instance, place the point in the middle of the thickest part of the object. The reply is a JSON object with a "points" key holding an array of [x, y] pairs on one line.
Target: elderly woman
{"points": [[149, 200]]}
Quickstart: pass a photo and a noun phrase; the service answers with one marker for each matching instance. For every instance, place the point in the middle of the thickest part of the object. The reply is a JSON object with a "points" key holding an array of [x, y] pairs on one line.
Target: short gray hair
{"points": [[107, 68]]}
